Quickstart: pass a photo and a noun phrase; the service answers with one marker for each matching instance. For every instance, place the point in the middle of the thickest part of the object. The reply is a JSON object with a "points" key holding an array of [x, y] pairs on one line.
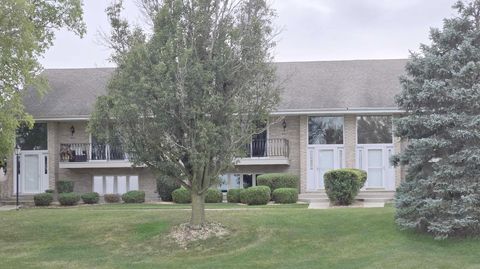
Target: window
{"points": [[325, 130], [115, 184], [33, 139], [374, 130]]}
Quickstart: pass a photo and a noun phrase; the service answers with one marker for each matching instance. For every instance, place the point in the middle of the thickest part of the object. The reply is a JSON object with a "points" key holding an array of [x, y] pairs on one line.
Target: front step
{"points": [[377, 196]]}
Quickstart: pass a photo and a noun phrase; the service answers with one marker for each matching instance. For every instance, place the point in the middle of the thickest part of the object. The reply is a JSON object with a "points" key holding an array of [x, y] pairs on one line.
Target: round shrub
{"points": [[233, 195], [111, 198], [165, 187], [43, 199], [50, 191], [278, 180], [342, 185], [65, 186], [181, 196], [68, 198], [90, 198], [285, 195], [213, 196], [134, 197], [259, 195]]}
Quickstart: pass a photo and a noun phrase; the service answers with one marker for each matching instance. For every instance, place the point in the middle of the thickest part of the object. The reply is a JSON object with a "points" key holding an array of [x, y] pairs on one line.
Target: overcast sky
{"points": [[312, 30]]}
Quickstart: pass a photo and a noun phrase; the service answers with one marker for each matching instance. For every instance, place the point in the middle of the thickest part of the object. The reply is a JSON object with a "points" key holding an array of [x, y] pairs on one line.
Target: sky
{"points": [[310, 30]]}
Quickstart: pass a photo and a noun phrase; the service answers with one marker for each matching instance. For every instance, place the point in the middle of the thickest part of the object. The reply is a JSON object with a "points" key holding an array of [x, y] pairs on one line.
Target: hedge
{"points": [[165, 187], [259, 195], [181, 196], [68, 198], [285, 195], [65, 186], [90, 198], [111, 198], [134, 197], [233, 195], [43, 199], [213, 196], [342, 185], [278, 180]]}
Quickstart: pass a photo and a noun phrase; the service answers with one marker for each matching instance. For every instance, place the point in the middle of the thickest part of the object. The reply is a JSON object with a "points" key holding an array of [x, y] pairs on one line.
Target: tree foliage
{"points": [[186, 99], [441, 94], [27, 30]]}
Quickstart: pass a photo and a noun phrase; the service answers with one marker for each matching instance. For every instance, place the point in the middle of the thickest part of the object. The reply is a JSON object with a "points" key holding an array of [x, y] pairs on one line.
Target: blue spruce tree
{"points": [[441, 94]]}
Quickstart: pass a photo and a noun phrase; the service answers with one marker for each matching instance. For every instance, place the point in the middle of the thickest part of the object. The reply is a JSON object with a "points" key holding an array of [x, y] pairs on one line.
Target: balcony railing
{"points": [[276, 147], [85, 152]]}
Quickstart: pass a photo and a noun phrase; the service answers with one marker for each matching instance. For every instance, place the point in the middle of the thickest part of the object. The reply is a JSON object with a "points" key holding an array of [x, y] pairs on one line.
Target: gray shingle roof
{"points": [[335, 85]]}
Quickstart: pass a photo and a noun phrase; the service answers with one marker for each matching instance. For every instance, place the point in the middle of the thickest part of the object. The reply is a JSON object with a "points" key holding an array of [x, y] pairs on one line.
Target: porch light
{"points": [[284, 124], [17, 150], [72, 129]]}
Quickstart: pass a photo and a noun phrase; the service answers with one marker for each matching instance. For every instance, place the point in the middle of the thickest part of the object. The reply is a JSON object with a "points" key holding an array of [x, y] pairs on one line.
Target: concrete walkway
{"points": [[7, 207]]}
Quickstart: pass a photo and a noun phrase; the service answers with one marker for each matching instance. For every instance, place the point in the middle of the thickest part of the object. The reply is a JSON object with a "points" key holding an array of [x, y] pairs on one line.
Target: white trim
{"points": [[342, 111], [73, 118], [97, 164], [262, 161]]}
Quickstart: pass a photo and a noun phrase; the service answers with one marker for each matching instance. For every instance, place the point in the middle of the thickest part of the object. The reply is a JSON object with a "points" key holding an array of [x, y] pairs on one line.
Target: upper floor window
{"points": [[33, 139], [325, 130], [374, 130]]}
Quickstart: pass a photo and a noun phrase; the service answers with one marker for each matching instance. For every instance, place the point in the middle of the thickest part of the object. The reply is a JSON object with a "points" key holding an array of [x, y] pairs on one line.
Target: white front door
{"points": [[322, 159], [375, 159], [33, 176]]}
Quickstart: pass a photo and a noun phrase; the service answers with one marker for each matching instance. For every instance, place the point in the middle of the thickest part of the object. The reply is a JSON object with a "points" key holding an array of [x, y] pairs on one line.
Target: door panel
{"points": [[375, 167], [31, 179], [375, 159], [326, 162], [321, 159]]}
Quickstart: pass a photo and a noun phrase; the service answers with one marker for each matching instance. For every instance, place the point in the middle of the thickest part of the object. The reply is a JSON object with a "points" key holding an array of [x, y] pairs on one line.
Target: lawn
{"points": [[133, 236]]}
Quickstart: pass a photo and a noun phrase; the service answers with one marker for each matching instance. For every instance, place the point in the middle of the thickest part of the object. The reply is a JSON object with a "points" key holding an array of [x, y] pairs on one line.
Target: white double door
{"points": [[375, 159], [33, 172], [321, 159]]}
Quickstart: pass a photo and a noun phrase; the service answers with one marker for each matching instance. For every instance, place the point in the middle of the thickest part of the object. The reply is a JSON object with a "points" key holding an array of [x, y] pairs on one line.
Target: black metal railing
{"points": [[84, 152], [276, 147]]}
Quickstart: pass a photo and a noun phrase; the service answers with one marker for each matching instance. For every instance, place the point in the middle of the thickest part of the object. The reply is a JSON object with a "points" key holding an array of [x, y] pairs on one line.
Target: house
{"points": [[334, 114]]}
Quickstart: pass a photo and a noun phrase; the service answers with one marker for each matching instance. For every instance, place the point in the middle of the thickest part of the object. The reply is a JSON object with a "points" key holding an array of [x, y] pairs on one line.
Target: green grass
{"points": [[290, 236]]}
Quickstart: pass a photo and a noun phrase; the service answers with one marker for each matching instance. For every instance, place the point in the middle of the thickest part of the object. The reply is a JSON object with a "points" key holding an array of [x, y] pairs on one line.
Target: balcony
{"points": [[86, 155], [266, 152]]}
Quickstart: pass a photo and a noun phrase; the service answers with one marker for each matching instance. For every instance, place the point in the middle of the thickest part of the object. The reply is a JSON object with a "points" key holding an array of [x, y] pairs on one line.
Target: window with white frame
{"points": [[119, 184], [237, 181], [374, 130]]}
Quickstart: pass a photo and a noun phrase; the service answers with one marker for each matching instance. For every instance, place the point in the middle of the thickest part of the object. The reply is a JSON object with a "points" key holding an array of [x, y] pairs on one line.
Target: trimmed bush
{"points": [[90, 198], [165, 187], [43, 199], [342, 185], [49, 191], [111, 198], [278, 180], [68, 198], [285, 195], [233, 195], [259, 195], [213, 196], [181, 196], [134, 197], [65, 186]]}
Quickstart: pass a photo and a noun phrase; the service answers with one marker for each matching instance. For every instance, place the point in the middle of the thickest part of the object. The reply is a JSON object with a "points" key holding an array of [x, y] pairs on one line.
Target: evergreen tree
{"points": [[441, 94]]}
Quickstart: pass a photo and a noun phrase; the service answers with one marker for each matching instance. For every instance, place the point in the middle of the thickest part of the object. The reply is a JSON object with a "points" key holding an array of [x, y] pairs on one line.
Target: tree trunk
{"points": [[198, 210]]}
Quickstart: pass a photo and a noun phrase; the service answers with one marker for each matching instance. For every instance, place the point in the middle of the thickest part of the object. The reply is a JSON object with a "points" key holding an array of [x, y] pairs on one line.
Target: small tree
{"points": [[27, 30], [186, 100], [441, 93]]}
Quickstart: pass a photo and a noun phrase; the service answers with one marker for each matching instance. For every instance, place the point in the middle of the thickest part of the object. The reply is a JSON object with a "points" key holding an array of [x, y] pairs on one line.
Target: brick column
{"points": [[350, 140], [53, 153], [303, 153]]}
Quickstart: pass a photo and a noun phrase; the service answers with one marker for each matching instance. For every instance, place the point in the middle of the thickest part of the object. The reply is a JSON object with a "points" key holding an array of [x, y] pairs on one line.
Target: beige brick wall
{"points": [[303, 152], [350, 140]]}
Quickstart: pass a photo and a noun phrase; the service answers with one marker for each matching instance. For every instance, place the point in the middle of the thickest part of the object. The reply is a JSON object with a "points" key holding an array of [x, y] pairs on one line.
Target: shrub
{"points": [[90, 198], [111, 198], [278, 180], [49, 191], [181, 196], [134, 197], [213, 196], [165, 187], [68, 198], [285, 195], [43, 199], [65, 186], [259, 195], [342, 185], [233, 195]]}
